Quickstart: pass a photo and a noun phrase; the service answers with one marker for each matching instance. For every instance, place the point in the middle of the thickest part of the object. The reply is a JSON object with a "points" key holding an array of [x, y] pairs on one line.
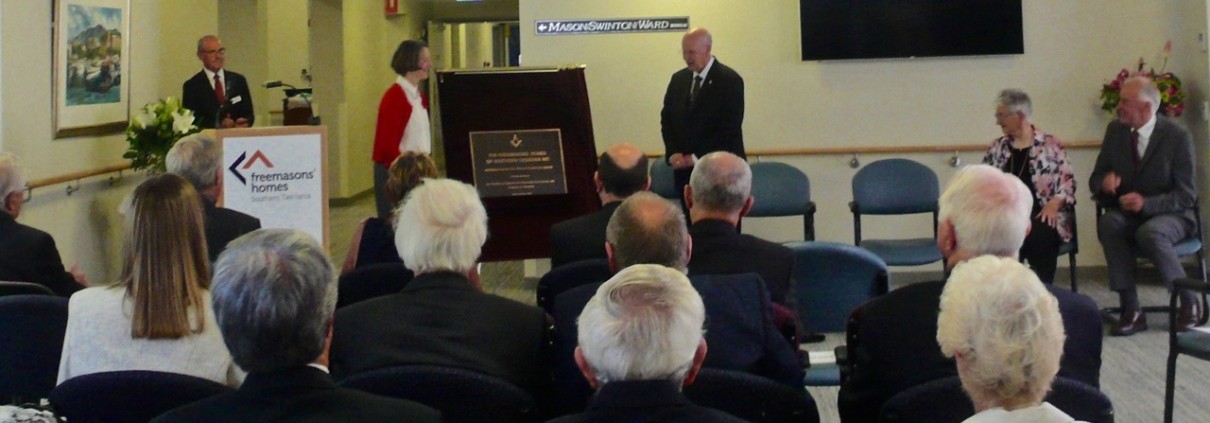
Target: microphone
{"points": [[272, 84]]}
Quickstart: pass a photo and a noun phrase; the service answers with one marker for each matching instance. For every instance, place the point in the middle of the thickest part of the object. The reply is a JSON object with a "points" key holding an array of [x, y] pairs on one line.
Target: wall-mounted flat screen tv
{"points": [[871, 29]]}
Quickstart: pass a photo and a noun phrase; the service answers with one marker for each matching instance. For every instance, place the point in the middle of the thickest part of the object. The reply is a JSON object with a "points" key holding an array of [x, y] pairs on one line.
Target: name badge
{"points": [[236, 99]]}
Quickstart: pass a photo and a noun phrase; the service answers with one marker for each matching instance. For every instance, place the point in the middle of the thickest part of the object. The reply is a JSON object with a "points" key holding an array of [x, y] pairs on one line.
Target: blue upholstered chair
{"points": [[1194, 343], [896, 187], [752, 398], [31, 340], [129, 396], [663, 182], [783, 190], [569, 276], [943, 401], [461, 395], [1190, 247], [23, 288], [371, 281]]}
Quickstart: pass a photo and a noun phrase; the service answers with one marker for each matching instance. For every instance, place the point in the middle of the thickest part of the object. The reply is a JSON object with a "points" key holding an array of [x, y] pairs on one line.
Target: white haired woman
{"points": [[1004, 331]]}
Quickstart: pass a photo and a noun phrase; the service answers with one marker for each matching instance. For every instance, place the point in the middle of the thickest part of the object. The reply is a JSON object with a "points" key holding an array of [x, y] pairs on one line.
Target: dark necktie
{"points": [[1134, 147], [219, 93], [697, 85]]}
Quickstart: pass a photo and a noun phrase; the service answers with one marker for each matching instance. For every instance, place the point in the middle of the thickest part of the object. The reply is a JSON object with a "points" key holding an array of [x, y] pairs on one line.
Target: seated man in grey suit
{"points": [[443, 317], [621, 172], [983, 211], [28, 254], [274, 295], [1144, 175], [198, 159], [647, 229], [640, 340]]}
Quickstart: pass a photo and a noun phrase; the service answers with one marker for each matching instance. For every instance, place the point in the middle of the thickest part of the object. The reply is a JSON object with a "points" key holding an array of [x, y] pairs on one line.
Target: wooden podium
{"points": [[500, 113]]}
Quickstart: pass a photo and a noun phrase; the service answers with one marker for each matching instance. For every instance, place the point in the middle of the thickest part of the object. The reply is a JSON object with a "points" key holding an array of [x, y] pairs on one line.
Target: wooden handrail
{"points": [[826, 151], [54, 180]]}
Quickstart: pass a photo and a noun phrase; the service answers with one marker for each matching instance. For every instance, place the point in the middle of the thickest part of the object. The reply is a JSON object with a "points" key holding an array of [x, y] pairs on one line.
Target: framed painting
{"points": [[91, 65]]}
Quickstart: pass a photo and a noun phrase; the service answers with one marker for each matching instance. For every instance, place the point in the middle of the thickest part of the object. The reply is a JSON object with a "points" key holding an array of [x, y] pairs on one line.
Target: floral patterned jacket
{"points": [[1052, 173]]}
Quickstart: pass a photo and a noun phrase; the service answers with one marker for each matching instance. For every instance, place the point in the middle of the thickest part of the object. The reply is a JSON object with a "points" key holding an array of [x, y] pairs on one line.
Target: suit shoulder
{"points": [[387, 407], [235, 216]]}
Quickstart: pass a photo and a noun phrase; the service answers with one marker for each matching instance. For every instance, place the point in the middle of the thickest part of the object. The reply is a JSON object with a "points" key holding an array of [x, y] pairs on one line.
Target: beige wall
{"points": [[85, 225], [1071, 47]]}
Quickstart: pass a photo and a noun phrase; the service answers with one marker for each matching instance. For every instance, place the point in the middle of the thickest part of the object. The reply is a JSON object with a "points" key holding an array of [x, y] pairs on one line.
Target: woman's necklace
{"points": [[1012, 162]]}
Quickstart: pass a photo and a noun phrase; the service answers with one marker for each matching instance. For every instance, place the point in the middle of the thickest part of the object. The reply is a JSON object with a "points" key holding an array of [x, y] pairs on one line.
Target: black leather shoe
{"points": [[1132, 322], [1187, 317]]}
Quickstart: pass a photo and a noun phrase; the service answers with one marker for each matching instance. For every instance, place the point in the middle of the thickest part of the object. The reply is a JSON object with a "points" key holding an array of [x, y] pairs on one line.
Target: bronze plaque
{"points": [[518, 163]]}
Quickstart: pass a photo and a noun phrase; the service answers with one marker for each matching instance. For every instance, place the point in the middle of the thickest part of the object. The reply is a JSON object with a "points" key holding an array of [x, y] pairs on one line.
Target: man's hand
{"points": [[1132, 202], [680, 161], [242, 123], [1110, 184], [79, 276], [227, 123]]}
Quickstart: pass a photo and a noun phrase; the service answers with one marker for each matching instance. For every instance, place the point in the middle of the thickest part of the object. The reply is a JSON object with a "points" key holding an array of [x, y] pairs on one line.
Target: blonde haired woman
{"points": [[158, 315]]}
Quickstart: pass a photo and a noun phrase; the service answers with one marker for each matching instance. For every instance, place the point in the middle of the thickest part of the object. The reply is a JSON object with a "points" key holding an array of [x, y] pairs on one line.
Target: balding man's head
{"points": [[647, 229], [696, 48], [983, 211], [721, 182], [622, 171]]}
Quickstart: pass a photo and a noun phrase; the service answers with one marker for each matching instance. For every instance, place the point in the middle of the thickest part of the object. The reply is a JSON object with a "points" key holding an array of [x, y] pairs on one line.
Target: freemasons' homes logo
{"points": [[256, 156]]}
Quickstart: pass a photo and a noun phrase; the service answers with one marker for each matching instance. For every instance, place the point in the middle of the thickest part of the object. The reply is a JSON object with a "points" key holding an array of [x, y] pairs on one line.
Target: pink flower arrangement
{"points": [[1172, 99]]}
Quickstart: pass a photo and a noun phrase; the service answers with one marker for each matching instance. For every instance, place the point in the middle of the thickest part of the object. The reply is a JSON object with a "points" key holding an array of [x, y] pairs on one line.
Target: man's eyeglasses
{"points": [[213, 52]]}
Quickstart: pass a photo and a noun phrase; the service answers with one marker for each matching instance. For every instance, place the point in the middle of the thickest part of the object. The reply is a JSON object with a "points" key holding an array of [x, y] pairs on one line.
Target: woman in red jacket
{"points": [[403, 117]]}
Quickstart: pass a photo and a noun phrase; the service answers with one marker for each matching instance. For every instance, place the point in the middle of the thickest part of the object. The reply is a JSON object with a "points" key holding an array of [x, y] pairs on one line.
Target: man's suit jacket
{"points": [[740, 336], [581, 238], [713, 122], [645, 401], [441, 319], [301, 394], [898, 346], [1165, 177], [719, 249], [198, 96], [30, 255], [225, 225]]}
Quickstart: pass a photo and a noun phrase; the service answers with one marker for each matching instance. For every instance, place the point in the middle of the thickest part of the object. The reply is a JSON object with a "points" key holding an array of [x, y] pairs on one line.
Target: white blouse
{"points": [[416, 134]]}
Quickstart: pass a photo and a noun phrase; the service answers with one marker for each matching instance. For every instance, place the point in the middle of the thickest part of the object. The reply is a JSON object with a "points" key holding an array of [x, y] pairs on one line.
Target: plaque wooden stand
{"points": [[521, 99]]}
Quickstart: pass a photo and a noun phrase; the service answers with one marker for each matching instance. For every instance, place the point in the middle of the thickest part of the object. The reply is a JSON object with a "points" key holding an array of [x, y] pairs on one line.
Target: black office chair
{"points": [[23, 288], [783, 190], [129, 396], [1194, 343], [461, 395], [663, 181], [31, 341], [752, 398], [943, 401], [569, 276], [1188, 247], [371, 281]]}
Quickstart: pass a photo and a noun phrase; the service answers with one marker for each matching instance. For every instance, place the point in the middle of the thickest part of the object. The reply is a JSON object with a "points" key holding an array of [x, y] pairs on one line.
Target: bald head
{"points": [[622, 171], [647, 229], [696, 48], [721, 182]]}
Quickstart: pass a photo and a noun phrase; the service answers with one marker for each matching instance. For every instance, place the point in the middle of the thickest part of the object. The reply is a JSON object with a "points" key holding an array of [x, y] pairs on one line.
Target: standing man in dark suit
{"points": [[443, 317], [1144, 175], [984, 211], [28, 254], [640, 341], [274, 294], [216, 91], [703, 108], [198, 159], [622, 171], [719, 195]]}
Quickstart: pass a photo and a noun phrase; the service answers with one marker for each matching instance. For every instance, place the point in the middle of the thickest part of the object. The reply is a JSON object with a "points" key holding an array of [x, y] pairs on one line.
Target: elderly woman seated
{"points": [[1004, 330]]}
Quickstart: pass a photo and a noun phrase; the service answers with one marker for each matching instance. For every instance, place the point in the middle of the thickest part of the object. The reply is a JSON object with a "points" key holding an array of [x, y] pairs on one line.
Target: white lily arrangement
{"points": [[154, 130]]}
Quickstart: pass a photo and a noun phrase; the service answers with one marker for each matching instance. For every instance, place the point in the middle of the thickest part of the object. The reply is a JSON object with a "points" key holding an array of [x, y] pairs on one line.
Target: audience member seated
{"points": [[640, 341], [29, 255], [1038, 159], [374, 238], [622, 172], [198, 159], [647, 229], [718, 195], [1146, 180], [983, 212], [274, 297], [442, 317], [158, 315], [1005, 334]]}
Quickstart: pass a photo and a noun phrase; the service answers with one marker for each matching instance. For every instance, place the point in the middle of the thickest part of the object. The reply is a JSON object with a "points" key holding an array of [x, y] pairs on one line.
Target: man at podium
{"points": [[217, 97]]}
